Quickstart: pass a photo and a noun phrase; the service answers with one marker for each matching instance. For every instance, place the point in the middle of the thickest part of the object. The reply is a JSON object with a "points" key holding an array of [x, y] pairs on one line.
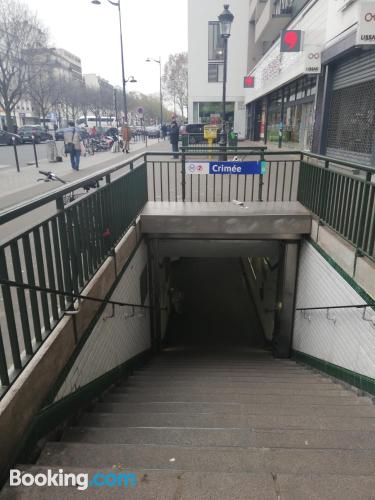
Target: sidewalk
{"points": [[17, 187]]}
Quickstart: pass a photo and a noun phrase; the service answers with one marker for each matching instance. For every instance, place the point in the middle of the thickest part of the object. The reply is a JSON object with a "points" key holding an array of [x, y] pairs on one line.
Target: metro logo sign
{"points": [[249, 82], [291, 41]]}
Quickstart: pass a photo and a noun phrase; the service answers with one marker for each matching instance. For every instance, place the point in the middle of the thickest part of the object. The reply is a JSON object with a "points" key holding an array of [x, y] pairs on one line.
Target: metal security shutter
{"points": [[351, 123], [357, 69]]}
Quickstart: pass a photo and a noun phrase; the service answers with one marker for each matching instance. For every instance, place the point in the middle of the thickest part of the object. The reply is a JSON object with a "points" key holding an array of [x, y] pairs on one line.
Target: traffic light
{"points": [[249, 82], [291, 41]]}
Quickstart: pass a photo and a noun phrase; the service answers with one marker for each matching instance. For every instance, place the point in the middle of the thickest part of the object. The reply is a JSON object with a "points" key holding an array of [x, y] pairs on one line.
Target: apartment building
{"points": [[320, 98], [206, 63]]}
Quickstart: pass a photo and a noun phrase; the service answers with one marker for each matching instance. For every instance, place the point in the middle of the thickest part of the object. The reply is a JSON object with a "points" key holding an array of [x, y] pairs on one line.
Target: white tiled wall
{"points": [[114, 340], [350, 342]]}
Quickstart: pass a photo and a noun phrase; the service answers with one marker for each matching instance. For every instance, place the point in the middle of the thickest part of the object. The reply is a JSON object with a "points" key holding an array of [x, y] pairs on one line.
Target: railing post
{"points": [[35, 153], [15, 153], [365, 210], [183, 173], [65, 254], [261, 181]]}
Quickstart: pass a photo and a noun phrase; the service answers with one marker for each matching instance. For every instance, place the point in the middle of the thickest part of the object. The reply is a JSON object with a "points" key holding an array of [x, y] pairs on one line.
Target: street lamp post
{"points": [[118, 5], [115, 102], [158, 61], [225, 21]]}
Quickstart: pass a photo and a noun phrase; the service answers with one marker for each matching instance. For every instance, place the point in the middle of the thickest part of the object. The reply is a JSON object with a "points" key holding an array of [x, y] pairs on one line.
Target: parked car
{"points": [[59, 134], [153, 131], [196, 133], [6, 138], [29, 131]]}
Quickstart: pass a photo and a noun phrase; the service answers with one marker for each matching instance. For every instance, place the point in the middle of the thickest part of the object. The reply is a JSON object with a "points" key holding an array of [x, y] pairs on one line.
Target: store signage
{"points": [[291, 41], [249, 82], [226, 167], [366, 23], [312, 60]]}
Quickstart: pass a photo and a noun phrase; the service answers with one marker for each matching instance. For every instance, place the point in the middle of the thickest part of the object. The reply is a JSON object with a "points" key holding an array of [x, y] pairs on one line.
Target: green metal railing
{"points": [[67, 243], [342, 195], [61, 252]]}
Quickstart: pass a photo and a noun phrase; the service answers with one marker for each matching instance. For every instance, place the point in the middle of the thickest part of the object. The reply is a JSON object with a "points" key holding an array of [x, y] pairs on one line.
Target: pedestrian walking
{"points": [[164, 131], [126, 135], [72, 145], [173, 137]]}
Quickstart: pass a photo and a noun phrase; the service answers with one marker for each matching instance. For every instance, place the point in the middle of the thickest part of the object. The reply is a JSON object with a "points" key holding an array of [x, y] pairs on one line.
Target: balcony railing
{"points": [[283, 7]]}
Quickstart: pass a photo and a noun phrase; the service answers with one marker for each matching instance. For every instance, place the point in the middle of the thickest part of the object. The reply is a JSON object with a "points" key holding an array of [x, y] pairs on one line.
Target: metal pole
{"points": [[116, 111], [223, 138], [161, 95], [15, 153], [174, 97], [281, 119], [35, 154], [122, 65]]}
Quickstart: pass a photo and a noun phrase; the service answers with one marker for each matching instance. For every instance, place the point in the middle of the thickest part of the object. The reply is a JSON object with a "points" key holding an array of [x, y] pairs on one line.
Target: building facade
{"points": [[205, 63], [320, 98], [328, 106]]}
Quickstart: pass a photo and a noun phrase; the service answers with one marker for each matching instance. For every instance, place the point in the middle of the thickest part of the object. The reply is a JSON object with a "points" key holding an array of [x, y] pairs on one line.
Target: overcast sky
{"points": [[151, 29]]}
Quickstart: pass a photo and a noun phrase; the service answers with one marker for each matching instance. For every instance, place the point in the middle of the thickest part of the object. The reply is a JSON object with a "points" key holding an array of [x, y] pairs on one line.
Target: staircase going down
{"points": [[225, 425]]}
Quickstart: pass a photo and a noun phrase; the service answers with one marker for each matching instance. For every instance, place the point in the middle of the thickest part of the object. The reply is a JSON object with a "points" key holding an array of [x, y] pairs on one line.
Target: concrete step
{"points": [[362, 411], [137, 381], [187, 485], [208, 437], [232, 376], [208, 420], [250, 389], [255, 399], [223, 371], [217, 459]]}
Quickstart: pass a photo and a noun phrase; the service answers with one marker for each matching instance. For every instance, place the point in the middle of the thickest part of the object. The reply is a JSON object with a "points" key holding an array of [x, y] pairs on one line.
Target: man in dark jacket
{"points": [[173, 136]]}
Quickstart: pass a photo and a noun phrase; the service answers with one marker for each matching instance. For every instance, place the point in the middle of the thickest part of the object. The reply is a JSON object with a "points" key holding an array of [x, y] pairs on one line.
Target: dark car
{"points": [[196, 133], [59, 134], [6, 138], [153, 131], [28, 132], [111, 132]]}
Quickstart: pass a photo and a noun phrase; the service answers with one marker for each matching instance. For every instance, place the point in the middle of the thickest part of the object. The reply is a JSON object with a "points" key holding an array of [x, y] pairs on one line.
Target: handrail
{"points": [[328, 308], [35, 288], [10, 213], [353, 165], [24, 207]]}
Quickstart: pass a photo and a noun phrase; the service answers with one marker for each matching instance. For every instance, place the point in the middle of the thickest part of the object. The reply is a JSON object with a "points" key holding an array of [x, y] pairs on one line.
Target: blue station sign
{"points": [[226, 167], [237, 167]]}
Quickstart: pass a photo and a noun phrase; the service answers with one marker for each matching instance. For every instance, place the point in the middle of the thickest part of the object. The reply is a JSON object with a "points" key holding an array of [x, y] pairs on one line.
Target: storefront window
{"points": [[298, 115], [210, 112]]}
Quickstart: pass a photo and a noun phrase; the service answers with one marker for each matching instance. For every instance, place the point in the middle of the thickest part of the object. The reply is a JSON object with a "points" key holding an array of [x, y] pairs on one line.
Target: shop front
{"points": [[290, 119], [210, 112], [350, 111]]}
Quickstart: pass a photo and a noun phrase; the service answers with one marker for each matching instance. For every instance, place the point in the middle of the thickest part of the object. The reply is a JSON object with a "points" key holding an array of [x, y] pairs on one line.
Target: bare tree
{"points": [[175, 80], [42, 85], [72, 97], [20, 32]]}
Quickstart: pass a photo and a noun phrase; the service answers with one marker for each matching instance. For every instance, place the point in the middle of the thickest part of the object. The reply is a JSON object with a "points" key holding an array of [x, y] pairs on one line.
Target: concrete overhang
{"points": [[256, 220]]}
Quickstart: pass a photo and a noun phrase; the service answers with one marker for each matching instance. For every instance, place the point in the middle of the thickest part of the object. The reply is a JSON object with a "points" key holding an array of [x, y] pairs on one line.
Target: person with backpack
{"points": [[72, 145]]}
